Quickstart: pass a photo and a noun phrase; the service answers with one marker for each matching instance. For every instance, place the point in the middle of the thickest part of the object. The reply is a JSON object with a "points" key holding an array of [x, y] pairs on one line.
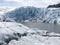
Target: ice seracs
{"points": [[46, 15], [58, 20]]}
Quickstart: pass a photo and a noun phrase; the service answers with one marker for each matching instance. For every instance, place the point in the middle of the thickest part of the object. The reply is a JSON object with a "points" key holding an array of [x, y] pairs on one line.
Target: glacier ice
{"points": [[18, 34], [48, 15]]}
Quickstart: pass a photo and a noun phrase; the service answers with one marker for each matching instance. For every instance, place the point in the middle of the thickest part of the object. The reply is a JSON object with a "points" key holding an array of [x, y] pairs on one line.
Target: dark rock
{"points": [[25, 34], [54, 6]]}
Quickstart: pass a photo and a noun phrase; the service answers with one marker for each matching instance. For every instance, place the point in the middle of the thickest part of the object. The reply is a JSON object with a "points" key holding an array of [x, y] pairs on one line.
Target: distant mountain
{"points": [[54, 6], [5, 9]]}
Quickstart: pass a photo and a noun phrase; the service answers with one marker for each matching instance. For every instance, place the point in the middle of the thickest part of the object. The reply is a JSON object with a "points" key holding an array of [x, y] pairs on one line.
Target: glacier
{"points": [[45, 15], [13, 32]]}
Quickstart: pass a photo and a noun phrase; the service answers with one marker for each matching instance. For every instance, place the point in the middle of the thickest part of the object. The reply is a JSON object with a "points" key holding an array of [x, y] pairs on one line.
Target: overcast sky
{"points": [[36, 3]]}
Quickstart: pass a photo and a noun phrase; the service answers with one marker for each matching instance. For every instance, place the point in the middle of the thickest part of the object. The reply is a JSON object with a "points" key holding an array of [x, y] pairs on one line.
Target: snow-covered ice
{"points": [[33, 37], [13, 33], [8, 28]]}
